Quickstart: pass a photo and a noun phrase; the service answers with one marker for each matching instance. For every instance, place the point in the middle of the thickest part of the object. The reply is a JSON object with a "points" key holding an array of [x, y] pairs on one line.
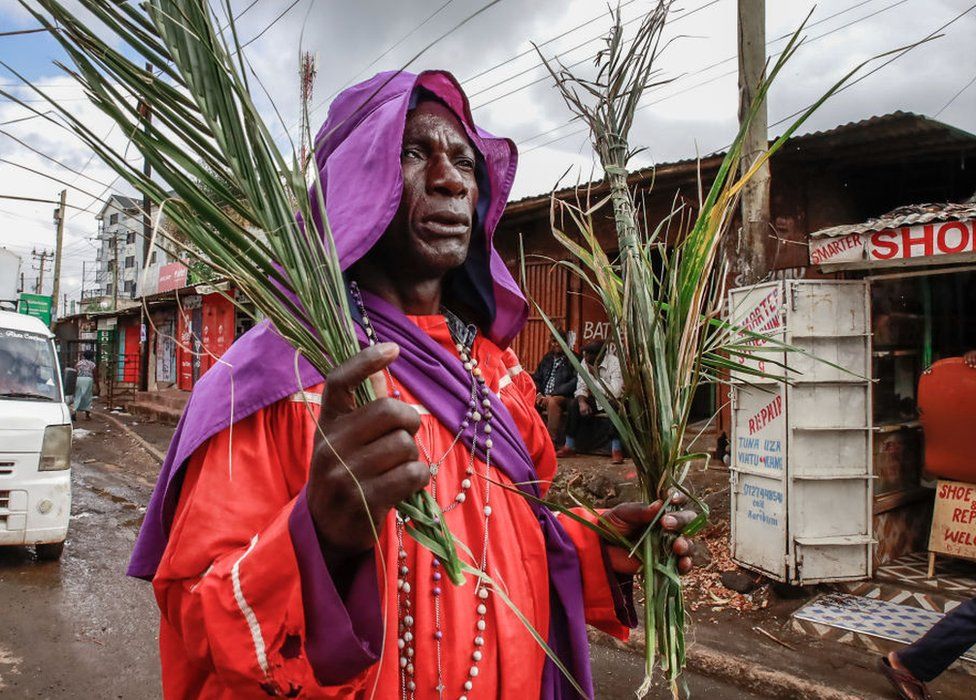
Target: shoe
{"points": [[907, 685], [565, 451], [617, 457], [87, 415]]}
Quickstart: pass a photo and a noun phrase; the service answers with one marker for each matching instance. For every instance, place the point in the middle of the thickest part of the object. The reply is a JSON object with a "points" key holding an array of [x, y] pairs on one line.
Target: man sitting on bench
{"points": [[555, 381], [585, 416]]}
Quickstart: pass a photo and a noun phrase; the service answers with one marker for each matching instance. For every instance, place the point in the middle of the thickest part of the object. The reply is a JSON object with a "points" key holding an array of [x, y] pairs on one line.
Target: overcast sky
{"points": [[492, 55]]}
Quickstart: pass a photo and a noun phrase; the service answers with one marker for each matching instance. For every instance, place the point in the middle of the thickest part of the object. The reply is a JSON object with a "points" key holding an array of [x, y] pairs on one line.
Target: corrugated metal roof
{"points": [[909, 215], [917, 133]]}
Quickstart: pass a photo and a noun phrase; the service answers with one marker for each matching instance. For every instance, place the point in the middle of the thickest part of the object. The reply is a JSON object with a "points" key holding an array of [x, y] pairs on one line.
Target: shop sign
{"points": [[148, 280], [905, 243], [107, 323], [171, 276], [191, 301], [36, 305], [954, 520]]}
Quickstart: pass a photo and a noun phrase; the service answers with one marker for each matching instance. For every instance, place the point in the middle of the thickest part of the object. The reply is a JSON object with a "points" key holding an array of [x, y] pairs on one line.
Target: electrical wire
{"points": [[713, 79], [391, 48], [955, 97], [585, 59]]}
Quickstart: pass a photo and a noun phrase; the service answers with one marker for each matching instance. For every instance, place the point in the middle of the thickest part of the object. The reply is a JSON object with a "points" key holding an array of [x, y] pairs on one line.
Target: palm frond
{"points": [[242, 205]]}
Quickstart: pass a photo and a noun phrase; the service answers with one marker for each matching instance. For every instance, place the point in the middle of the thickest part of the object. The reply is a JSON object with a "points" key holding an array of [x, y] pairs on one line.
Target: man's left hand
{"points": [[630, 519]]}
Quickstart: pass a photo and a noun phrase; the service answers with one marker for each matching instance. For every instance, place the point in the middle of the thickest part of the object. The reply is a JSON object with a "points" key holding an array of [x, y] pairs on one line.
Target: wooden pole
{"points": [[115, 271], [750, 259], [59, 214], [146, 111]]}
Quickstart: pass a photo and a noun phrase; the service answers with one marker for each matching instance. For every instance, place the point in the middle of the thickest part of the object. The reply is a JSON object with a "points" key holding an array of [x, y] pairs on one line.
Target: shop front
{"points": [[911, 276], [206, 324]]}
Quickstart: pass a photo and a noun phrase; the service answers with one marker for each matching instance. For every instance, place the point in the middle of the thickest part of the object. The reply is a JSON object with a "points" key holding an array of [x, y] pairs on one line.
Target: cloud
{"points": [[696, 113]]}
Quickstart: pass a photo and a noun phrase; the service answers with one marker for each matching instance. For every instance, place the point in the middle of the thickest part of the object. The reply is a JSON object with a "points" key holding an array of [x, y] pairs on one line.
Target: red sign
{"points": [[904, 243], [171, 276], [949, 238]]}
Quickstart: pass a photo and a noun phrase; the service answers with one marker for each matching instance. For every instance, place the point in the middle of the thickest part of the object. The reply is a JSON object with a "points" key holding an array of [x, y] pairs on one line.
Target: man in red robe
{"points": [[279, 563]]}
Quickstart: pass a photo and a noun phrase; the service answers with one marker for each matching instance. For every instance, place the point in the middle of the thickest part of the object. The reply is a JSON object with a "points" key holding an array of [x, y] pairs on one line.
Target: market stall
{"points": [[918, 267]]}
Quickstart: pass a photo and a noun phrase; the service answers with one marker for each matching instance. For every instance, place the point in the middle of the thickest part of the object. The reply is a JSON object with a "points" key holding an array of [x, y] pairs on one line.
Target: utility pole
{"points": [[59, 220], [750, 260], [42, 257], [115, 271], [145, 111]]}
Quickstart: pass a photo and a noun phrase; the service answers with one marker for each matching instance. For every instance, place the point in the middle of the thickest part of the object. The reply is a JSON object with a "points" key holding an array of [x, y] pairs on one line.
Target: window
{"points": [[108, 289], [130, 288], [110, 264], [130, 261], [113, 219], [152, 258], [130, 237]]}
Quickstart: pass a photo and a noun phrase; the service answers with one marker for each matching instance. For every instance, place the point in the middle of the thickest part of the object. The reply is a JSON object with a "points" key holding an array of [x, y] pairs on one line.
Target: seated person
{"points": [[584, 410], [555, 381]]}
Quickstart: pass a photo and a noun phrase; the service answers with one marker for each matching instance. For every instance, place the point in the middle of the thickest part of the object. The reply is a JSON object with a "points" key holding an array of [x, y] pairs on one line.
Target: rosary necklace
{"points": [[477, 418]]}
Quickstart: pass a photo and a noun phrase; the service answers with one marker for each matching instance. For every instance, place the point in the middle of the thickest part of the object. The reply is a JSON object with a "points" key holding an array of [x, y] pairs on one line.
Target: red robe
{"points": [[236, 616]]}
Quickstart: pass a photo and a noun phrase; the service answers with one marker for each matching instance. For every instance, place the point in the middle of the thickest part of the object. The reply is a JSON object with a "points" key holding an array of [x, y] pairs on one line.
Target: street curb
{"points": [[774, 684], [143, 443], [742, 673]]}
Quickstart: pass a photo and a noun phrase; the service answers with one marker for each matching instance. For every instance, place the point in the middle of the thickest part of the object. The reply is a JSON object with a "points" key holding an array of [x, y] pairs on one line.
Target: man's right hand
{"points": [[365, 460], [970, 359], [540, 400]]}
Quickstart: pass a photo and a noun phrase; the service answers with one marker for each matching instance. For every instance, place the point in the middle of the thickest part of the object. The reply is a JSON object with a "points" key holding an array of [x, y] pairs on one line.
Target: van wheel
{"points": [[49, 551]]}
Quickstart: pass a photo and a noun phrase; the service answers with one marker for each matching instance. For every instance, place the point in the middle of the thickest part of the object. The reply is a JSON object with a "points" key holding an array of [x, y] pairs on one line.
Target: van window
{"points": [[28, 367]]}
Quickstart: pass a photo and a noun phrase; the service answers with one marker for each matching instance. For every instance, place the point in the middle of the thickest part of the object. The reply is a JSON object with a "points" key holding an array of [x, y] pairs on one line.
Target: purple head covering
{"points": [[358, 156]]}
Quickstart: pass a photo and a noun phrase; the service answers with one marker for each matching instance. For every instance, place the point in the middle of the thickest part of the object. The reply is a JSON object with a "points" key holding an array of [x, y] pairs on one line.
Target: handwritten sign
{"points": [[954, 520]]}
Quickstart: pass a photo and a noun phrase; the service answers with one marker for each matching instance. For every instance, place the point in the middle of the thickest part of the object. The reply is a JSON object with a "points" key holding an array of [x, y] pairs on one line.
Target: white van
{"points": [[35, 438]]}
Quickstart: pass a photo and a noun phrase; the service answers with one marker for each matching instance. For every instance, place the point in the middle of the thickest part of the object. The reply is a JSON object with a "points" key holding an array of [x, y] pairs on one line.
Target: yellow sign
{"points": [[954, 520]]}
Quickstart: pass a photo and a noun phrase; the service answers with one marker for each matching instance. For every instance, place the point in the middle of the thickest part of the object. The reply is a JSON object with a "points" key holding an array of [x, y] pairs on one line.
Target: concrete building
{"points": [[119, 261]]}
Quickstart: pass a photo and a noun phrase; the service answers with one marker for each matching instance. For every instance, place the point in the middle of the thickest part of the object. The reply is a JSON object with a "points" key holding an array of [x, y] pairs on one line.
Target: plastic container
{"points": [[947, 408]]}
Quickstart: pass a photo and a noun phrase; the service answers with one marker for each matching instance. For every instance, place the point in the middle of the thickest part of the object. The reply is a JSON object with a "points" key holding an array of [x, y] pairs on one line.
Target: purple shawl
{"points": [[359, 144]]}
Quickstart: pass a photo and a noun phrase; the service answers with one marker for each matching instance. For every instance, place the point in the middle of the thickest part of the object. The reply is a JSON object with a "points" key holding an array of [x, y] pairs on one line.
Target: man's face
{"points": [[432, 228]]}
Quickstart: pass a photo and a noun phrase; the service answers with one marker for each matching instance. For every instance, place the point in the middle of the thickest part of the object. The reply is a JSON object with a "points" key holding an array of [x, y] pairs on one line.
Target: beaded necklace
{"points": [[477, 418]]}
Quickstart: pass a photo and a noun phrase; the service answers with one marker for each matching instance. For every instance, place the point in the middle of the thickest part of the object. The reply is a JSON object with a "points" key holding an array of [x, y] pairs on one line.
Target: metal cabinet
{"points": [[801, 473]]}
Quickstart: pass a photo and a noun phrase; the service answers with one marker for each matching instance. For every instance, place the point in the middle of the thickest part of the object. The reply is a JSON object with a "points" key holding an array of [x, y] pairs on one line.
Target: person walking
{"points": [[85, 385], [909, 669]]}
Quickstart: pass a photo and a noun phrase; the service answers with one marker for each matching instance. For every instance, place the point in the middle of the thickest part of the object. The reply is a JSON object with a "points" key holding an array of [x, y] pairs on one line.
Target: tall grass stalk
{"points": [[663, 300], [221, 178]]}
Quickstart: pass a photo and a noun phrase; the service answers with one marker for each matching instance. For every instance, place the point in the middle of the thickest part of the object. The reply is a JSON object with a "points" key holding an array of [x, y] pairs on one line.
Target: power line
{"points": [[718, 77], [541, 44], [956, 96], [583, 60], [707, 68], [391, 48], [17, 198], [24, 119], [52, 159], [422, 51], [898, 53], [273, 23]]}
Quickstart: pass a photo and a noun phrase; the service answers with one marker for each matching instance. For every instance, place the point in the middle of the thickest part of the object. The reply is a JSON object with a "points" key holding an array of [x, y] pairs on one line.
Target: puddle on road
{"points": [[9, 665]]}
